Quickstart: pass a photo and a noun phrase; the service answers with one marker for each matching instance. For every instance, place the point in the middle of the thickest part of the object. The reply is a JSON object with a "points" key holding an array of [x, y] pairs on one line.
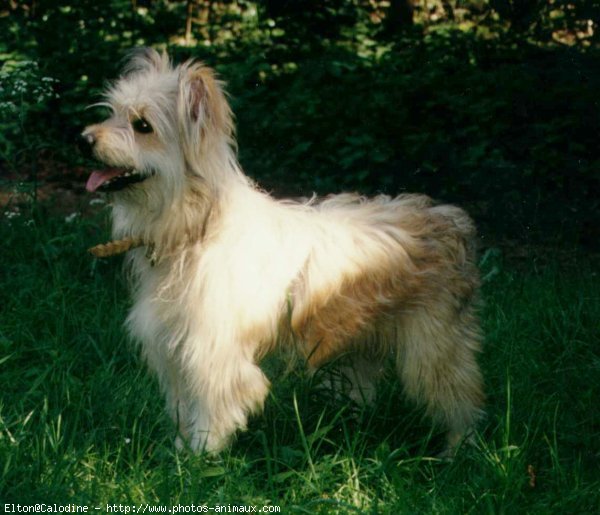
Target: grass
{"points": [[82, 422]]}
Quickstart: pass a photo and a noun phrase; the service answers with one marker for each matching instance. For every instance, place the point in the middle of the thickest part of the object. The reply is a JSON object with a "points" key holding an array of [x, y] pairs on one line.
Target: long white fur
{"points": [[238, 273]]}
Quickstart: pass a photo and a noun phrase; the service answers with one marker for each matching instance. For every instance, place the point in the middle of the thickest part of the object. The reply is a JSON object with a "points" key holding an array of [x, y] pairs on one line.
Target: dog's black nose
{"points": [[86, 143]]}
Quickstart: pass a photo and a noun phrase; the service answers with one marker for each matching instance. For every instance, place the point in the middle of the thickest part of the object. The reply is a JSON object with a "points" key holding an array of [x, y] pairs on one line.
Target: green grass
{"points": [[82, 422]]}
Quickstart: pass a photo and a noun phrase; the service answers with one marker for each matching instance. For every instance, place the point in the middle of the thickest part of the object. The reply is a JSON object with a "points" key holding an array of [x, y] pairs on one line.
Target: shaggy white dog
{"points": [[223, 273]]}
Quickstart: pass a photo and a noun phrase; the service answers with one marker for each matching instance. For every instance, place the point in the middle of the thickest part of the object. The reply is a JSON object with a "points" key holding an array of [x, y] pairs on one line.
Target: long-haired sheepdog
{"points": [[223, 273]]}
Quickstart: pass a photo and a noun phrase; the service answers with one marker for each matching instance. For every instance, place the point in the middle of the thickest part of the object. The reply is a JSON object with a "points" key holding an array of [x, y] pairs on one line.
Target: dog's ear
{"points": [[143, 59], [203, 100]]}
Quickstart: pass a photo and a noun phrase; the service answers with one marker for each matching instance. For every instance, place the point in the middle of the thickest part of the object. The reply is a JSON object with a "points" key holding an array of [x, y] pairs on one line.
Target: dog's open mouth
{"points": [[114, 179]]}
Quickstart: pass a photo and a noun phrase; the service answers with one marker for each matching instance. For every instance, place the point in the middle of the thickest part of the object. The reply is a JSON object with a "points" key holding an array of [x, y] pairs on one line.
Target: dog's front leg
{"points": [[222, 392]]}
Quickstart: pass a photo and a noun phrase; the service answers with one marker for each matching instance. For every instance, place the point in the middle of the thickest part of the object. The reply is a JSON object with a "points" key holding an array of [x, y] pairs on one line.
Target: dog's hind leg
{"points": [[438, 368]]}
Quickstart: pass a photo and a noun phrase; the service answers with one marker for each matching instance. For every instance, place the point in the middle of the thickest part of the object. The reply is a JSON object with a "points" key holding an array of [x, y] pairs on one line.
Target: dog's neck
{"points": [[142, 217], [169, 229]]}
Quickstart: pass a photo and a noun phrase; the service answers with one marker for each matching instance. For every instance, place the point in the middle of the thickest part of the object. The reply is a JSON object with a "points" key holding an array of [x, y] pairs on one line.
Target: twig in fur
{"points": [[113, 248]]}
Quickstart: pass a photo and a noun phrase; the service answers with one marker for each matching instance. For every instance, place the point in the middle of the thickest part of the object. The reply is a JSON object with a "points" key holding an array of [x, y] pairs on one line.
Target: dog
{"points": [[223, 274]]}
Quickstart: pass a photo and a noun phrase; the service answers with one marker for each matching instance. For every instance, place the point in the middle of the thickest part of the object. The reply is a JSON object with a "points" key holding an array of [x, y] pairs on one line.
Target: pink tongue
{"points": [[99, 177]]}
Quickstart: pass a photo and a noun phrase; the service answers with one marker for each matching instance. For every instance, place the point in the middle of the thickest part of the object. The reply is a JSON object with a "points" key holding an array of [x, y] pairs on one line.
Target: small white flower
{"points": [[72, 217]]}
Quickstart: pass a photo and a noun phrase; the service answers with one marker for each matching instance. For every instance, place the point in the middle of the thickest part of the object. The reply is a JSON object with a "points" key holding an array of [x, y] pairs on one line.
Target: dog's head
{"points": [[167, 124]]}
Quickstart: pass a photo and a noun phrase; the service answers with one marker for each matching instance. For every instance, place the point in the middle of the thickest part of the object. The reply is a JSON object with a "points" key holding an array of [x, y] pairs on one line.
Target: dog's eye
{"points": [[142, 126]]}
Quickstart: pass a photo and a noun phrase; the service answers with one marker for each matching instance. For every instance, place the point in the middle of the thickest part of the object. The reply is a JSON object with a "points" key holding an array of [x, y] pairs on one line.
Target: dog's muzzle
{"points": [[109, 179]]}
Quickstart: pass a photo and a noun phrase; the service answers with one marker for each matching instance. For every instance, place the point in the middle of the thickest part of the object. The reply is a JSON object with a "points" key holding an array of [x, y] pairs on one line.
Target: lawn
{"points": [[82, 422]]}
